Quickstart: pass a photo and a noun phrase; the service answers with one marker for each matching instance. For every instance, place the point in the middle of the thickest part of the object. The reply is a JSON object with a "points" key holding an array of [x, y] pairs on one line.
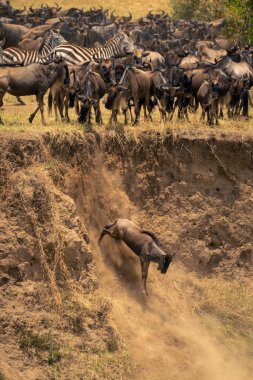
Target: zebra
{"points": [[14, 55], [117, 46]]}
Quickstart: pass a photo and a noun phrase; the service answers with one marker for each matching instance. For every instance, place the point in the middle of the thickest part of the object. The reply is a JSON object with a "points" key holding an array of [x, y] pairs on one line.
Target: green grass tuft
{"points": [[37, 344]]}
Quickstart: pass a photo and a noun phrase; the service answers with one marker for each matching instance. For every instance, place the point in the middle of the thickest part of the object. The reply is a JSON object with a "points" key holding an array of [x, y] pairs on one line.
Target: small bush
{"points": [[197, 9], [37, 344]]}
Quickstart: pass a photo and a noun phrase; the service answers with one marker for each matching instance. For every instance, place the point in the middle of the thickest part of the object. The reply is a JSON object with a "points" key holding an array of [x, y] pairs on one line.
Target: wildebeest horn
{"points": [[112, 15], [145, 19], [23, 10], [31, 9], [58, 8], [128, 18], [82, 97], [161, 14], [121, 87], [164, 87]]}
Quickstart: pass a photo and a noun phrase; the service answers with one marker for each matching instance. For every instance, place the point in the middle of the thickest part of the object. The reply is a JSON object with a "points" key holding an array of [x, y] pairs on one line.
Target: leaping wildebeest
{"points": [[143, 243]]}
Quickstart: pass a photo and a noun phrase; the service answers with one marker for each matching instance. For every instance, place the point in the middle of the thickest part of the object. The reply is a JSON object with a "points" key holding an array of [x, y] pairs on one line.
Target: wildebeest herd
{"points": [[84, 56]]}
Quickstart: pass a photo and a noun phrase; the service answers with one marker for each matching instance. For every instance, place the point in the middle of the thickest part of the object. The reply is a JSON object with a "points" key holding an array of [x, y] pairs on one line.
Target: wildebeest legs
{"points": [[20, 101], [32, 116], [98, 115], [41, 108], [144, 274], [2, 93]]}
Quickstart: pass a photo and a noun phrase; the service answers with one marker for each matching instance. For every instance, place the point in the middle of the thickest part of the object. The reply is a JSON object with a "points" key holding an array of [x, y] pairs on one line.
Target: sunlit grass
{"points": [[137, 8], [15, 118]]}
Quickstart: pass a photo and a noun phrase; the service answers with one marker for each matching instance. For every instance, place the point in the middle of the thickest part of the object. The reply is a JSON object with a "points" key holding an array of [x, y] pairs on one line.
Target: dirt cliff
{"points": [[70, 310]]}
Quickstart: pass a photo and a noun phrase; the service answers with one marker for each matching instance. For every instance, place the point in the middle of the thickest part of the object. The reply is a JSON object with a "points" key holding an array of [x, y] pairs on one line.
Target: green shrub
{"points": [[239, 17], [197, 9]]}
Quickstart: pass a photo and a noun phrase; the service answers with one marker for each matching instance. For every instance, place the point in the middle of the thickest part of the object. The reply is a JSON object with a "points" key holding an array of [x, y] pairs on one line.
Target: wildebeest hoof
{"points": [[30, 119]]}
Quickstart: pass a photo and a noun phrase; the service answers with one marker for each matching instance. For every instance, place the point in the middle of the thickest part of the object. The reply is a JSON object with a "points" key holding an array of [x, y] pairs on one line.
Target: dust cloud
{"points": [[164, 335]]}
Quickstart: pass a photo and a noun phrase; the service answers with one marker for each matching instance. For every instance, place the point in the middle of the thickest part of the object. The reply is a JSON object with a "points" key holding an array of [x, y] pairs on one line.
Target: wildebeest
{"points": [[134, 84], [30, 80], [92, 89], [12, 34], [208, 99], [59, 95], [143, 243]]}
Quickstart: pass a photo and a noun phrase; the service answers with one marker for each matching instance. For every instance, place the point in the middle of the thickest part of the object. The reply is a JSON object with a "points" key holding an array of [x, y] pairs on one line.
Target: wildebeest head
{"points": [[164, 262], [105, 68]]}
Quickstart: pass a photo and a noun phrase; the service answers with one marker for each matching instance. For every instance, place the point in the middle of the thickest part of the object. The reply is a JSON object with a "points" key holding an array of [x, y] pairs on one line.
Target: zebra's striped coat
{"points": [[22, 57], [117, 46]]}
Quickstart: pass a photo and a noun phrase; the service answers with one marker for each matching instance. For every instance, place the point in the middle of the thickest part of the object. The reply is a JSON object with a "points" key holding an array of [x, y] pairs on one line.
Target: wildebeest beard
{"points": [[85, 107], [72, 96], [110, 100]]}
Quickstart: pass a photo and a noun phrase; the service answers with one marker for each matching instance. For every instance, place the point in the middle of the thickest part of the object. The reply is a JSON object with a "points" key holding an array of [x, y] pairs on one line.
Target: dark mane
{"points": [[156, 240]]}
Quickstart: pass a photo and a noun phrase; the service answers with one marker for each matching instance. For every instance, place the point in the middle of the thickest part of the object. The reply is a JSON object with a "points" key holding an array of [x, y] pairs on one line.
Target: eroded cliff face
{"points": [[58, 191]]}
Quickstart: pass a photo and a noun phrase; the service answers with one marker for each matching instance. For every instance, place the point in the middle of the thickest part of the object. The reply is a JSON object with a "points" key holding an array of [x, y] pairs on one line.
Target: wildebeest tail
{"points": [[105, 229], [110, 225], [72, 96], [50, 102], [245, 101], [67, 77]]}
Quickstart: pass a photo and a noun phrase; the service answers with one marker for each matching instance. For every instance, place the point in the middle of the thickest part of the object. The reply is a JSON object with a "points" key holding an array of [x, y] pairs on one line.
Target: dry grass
{"points": [[229, 302], [15, 118], [138, 8]]}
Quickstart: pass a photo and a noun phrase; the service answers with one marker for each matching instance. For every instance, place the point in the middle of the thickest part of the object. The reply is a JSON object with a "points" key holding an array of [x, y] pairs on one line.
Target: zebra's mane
{"points": [[45, 40], [116, 37]]}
